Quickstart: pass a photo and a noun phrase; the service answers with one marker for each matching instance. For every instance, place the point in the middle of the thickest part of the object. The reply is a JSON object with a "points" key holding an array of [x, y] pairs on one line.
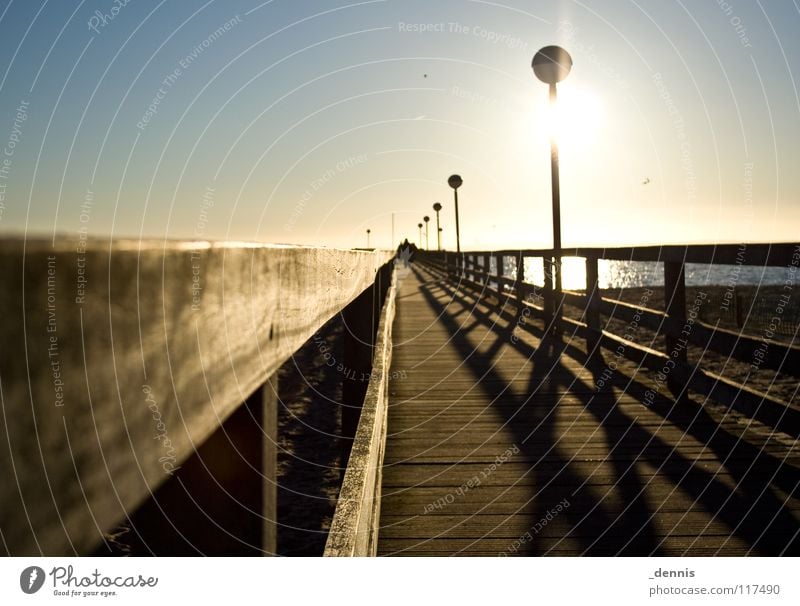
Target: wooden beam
{"points": [[357, 319], [499, 277], [222, 499], [127, 355], [760, 254], [269, 463], [591, 307], [549, 293], [354, 529], [675, 303], [777, 356], [519, 287]]}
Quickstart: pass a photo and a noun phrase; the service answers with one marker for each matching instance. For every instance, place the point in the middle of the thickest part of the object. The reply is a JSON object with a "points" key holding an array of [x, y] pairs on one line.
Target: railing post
{"points": [[549, 302], [500, 273], [518, 285], [675, 301], [487, 263], [382, 279], [222, 500], [592, 306]]}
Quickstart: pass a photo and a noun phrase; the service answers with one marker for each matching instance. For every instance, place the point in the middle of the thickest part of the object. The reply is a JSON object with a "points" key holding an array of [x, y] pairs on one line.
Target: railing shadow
{"points": [[752, 509]]}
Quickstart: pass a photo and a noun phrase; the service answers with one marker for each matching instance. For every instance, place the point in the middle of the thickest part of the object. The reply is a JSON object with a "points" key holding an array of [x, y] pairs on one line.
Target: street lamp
{"points": [[426, 218], [369, 231], [437, 207], [551, 65], [420, 234], [455, 182]]}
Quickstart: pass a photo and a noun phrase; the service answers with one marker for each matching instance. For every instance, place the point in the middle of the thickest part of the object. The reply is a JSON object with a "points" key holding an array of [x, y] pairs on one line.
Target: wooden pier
{"points": [[481, 415], [500, 443]]}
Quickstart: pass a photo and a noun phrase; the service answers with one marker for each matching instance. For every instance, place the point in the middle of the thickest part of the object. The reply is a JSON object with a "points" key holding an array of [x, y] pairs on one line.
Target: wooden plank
{"points": [[674, 545], [128, 354], [513, 500], [355, 522], [687, 523]]}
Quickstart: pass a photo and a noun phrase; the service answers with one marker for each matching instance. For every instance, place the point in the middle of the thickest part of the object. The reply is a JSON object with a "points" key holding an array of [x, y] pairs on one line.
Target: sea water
{"points": [[632, 274]]}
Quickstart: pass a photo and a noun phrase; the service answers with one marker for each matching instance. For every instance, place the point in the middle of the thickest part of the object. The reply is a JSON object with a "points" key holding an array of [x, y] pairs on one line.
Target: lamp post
{"points": [[369, 231], [551, 65], [455, 181], [437, 207], [426, 218], [420, 234]]}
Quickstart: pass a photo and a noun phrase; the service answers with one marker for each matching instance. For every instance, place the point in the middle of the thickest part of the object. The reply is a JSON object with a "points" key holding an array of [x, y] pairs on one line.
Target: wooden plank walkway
{"points": [[500, 444]]}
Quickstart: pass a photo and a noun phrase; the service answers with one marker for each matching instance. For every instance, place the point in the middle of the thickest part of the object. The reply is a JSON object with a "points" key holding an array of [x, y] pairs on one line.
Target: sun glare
{"points": [[577, 117], [573, 272]]}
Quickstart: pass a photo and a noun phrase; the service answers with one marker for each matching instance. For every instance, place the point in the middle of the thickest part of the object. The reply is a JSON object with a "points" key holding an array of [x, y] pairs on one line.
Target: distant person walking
{"points": [[406, 252]]}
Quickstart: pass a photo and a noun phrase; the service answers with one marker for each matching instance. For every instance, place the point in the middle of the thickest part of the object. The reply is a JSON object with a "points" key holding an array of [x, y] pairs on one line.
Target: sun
{"points": [[577, 117], [576, 121]]}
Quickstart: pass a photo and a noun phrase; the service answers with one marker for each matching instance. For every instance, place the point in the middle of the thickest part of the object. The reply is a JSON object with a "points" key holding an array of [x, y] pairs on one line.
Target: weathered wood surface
{"points": [[118, 360], [687, 479], [354, 529]]}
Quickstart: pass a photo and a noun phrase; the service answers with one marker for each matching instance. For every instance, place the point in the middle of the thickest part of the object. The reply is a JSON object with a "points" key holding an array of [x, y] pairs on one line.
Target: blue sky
{"points": [[309, 122]]}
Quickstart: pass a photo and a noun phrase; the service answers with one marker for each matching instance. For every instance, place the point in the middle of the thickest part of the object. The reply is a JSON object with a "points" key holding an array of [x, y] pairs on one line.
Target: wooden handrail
{"points": [[762, 254], [120, 358], [778, 356], [354, 529]]}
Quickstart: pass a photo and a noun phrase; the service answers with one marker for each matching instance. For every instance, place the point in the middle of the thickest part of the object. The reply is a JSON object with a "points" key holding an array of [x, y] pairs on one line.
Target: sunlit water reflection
{"points": [[632, 274]]}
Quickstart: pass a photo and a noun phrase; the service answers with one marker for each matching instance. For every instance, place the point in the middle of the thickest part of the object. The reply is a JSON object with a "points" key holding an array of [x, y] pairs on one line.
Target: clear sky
{"points": [[310, 121]]}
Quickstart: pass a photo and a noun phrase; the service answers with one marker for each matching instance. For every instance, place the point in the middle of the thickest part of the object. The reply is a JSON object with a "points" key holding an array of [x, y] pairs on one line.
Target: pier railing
{"points": [[679, 323], [120, 360], [354, 529]]}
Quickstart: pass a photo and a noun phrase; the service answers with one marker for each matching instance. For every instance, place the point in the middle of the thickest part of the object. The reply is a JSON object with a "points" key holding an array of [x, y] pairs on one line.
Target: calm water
{"points": [[630, 274]]}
